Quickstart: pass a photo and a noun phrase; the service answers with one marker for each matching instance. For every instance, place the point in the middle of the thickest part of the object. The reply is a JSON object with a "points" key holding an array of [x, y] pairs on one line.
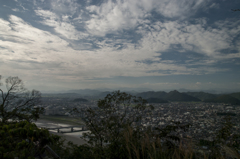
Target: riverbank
{"points": [[73, 137], [62, 119]]}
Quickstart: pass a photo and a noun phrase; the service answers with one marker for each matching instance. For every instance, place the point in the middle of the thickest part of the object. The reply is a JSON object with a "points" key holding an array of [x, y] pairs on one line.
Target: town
{"points": [[204, 119]]}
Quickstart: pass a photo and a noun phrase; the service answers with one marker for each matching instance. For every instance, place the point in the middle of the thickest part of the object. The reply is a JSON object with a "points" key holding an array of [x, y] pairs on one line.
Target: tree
{"points": [[114, 114], [117, 130], [25, 140], [17, 103]]}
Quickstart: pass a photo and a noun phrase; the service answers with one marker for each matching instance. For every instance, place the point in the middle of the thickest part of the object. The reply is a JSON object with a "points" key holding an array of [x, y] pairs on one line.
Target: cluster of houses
{"points": [[205, 119]]}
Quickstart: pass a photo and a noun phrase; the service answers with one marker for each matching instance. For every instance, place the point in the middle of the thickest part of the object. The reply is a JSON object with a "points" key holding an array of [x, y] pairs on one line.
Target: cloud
{"points": [[198, 38], [32, 44], [35, 45], [61, 25], [214, 5], [112, 16], [71, 42], [15, 9], [179, 8], [64, 6], [61, 7]]}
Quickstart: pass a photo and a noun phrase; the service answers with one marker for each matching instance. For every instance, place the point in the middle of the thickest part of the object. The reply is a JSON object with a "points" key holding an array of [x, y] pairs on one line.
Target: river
{"points": [[73, 137]]}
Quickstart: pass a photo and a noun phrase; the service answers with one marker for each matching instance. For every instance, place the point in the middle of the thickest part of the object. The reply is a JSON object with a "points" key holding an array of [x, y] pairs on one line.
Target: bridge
{"points": [[68, 127]]}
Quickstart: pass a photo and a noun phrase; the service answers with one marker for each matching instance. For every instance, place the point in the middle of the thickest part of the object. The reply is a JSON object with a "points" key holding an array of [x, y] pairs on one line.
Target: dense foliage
{"points": [[24, 140], [108, 122]]}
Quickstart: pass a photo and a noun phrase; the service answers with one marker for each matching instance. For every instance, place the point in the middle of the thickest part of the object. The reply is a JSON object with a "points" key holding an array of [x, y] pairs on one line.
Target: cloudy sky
{"points": [[154, 44]]}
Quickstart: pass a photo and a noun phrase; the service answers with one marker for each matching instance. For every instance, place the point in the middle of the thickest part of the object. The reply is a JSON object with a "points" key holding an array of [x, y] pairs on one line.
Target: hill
{"points": [[171, 96], [80, 100], [181, 97], [235, 95], [224, 99], [156, 100], [60, 95], [104, 94], [85, 92], [201, 95], [152, 94]]}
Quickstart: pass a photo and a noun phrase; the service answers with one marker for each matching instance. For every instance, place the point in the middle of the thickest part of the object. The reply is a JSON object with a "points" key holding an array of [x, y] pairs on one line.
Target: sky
{"points": [[55, 45]]}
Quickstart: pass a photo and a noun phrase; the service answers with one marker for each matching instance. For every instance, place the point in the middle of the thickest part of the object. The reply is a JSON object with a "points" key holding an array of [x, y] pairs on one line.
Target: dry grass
{"points": [[150, 148]]}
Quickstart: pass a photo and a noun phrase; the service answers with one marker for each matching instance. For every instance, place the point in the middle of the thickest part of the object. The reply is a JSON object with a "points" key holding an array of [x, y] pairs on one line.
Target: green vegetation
{"points": [[25, 140], [106, 123]]}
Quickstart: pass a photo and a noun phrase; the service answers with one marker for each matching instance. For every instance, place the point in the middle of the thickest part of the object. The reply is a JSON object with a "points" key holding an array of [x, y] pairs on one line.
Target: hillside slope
{"points": [[181, 97], [224, 99], [201, 95]]}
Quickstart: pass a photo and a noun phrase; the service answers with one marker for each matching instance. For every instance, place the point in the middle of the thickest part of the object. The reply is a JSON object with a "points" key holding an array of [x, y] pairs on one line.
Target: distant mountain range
{"points": [[80, 100], [224, 99], [171, 96], [233, 98], [235, 95], [60, 95], [202, 95], [156, 100], [155, 97]]}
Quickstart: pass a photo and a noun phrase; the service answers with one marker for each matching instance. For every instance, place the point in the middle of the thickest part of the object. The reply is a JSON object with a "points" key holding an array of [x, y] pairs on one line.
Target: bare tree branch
{"points": [[18, 102]]}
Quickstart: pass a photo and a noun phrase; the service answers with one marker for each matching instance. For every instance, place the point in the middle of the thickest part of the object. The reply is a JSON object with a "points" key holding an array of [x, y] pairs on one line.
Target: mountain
{"points": [[156, 100], [152, 94], [180, 97], [60, 95], [104, 94], [80, 100], [235, 95], [201, 95], [89, 92], [171, 96], [224, 99]]}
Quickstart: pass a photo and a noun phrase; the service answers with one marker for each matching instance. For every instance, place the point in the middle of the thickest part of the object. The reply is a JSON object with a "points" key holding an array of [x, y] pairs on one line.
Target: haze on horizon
{"points": [[55, 45]]}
